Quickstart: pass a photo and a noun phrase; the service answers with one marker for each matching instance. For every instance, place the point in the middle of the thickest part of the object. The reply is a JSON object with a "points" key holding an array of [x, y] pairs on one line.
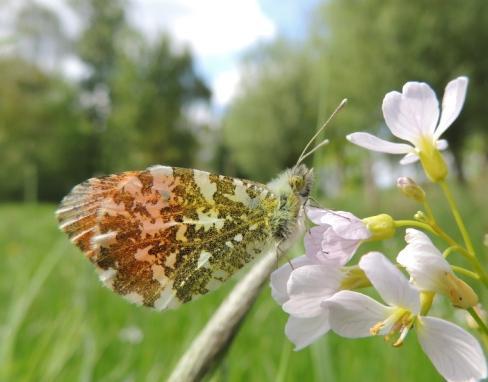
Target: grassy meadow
{"points": [[58, 323]]}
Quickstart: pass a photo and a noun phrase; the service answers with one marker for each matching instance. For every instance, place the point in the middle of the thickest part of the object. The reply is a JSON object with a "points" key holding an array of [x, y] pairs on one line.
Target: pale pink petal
{"points": [[303, 331], [317, 215], [279, 278], [412, 114], [313, 241], [390, 282], [336, 250], [420, 101], [424, 262], [455, 353], [414, 236], [347, 226], [336, 238], [452, 103], [314, 280], [353, 314], [371, 142], [401, 124], [409, 158], [427, 271], [441, 144], [308, 286], [343, 223]]}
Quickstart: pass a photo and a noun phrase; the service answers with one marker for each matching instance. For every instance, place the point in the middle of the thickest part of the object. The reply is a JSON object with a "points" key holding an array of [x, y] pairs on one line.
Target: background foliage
{"points": [[131, 109]]}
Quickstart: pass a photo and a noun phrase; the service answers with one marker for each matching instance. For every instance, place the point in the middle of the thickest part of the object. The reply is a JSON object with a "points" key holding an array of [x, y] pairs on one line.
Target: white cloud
{"points": [[217, 31], [225, 86], [210, 27]]}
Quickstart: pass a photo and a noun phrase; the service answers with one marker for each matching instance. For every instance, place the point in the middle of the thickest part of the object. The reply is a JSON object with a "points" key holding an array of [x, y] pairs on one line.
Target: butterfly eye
{"points": [[297, 183]]}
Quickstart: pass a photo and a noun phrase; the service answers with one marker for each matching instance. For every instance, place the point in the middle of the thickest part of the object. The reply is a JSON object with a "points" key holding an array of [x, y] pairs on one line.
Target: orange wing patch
{"points": [[164, 236]]}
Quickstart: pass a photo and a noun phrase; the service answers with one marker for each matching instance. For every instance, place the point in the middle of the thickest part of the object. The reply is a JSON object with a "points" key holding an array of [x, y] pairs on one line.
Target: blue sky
{"points": [[290, 16]]}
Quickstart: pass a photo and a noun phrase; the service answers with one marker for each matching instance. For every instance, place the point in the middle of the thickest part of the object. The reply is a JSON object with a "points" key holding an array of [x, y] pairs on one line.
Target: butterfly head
{"points": [[300, 180]]}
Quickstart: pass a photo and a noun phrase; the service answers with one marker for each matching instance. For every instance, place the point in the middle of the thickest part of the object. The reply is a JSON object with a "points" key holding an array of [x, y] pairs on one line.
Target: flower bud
{"points": [[460, 293], [381, 226], [432, 161], [411, 189], [420, 216], [354, 278]]}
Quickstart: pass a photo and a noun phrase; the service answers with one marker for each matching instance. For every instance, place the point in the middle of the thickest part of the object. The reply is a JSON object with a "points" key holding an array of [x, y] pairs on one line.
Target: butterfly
{"points": [[167, 235]]}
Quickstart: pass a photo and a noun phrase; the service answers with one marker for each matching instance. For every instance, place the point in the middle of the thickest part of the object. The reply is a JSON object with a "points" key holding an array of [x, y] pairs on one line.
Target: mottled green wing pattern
{"points": [[167, 235]]}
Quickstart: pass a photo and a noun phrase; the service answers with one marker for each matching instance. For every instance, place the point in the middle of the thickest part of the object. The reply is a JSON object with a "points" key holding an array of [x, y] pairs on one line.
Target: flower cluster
{"points": [[307, 281], [319, 290]]}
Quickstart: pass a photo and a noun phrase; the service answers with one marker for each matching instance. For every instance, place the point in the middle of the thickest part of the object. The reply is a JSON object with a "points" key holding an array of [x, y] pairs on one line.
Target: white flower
{"points": [[279, 278], [413, 116], [301, 290], [430, 272], [455, 353], [335, 238], [424, 262], [302, 285], [354, 315]]}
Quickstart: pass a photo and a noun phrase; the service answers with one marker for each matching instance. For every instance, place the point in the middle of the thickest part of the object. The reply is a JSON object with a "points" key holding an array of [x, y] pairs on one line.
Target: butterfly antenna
{"points": [[304, 153], [323, 143]]}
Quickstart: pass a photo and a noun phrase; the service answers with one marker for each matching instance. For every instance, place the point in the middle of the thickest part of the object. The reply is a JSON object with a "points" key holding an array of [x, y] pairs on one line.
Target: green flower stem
{"points": [[428, 209], [448, 239], [415, 223], [470, 253], [452, 249], [479, 269], [478, 320], [457, 217], [464, 271]]}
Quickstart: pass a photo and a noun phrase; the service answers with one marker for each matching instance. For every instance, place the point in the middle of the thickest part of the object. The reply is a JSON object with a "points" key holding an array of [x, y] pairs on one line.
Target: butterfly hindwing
{"points": [[163, 236]]}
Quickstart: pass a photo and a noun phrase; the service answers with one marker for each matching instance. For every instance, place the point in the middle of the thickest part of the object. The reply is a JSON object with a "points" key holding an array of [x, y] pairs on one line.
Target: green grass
{"points": [[57, 322]]}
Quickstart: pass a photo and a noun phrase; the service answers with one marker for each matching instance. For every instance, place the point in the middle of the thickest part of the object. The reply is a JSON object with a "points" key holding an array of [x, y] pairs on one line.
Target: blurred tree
{"points": [[151, 94], [99, 47], [275, 113], [105, 27], [41, 158], [137, 92], [359, 49], [170, 85], [39, 36], [130, 111], [370, 47]]}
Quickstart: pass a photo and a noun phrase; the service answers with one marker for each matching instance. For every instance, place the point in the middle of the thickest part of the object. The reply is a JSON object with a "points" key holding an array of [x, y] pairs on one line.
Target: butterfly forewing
{"points": [[167, 235]]}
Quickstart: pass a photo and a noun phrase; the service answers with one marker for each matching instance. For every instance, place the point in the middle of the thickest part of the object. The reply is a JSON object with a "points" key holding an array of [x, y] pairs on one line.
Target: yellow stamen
{"points": [[403, 334], [375, 329], [401, 320]]}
